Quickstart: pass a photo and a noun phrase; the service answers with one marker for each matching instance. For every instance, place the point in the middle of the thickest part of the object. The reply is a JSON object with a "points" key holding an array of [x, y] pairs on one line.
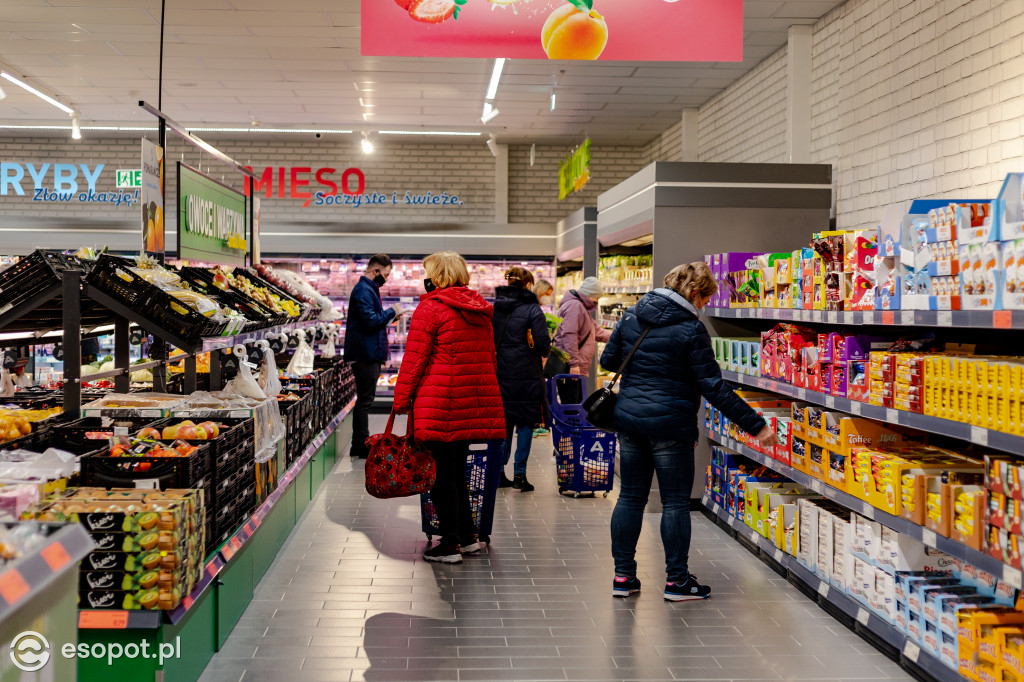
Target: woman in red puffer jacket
{"points": [[448, 383]]}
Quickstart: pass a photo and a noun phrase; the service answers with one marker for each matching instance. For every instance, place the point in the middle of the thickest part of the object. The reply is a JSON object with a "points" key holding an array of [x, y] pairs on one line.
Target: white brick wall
{"points": [[747, 122], [533, 190], [666, 147], [910, 99]]}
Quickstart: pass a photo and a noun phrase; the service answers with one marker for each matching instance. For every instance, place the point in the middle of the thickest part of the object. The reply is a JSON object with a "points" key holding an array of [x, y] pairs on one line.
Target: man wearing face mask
{"points": [[366, 343]]}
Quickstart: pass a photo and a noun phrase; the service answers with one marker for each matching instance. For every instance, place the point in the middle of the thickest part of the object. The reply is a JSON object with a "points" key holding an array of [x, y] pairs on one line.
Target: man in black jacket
{"points": [[366, 343]]}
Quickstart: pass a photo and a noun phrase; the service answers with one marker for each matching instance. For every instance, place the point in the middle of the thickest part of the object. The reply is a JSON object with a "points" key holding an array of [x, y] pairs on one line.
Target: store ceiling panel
{"points": [[232, 62]]}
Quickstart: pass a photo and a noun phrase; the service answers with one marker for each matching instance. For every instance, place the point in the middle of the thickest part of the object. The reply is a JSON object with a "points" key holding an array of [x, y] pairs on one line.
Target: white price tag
{"points": [[833, 317], [777, 554], [868, 510], [979, 435], [855, 407], [892, 416], [147, 484], [801, 393], [907, 317], [1012, 576], [862, 616], [928, 537], [715, 508], [732, 521], [911, 651], [120, 430], [240, 414], [150, 413], [823, 588], [945, 318], [830, 402], [753, 537]]}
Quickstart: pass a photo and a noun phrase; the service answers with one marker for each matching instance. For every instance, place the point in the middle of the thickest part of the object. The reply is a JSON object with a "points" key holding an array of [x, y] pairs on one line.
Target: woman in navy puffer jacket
{"points": [[656, 418]]}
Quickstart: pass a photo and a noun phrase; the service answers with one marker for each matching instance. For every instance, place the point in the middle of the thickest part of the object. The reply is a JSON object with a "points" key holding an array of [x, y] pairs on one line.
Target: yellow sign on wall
{"points": [[574, 173]]}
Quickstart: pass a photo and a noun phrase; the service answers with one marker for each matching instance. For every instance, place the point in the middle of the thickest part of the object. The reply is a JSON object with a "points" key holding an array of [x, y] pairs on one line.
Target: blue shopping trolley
{"points": [[584, 454], [483, 471]]}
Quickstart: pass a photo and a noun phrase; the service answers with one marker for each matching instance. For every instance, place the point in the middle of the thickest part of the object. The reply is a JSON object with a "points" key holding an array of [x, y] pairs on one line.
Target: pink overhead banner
{"points": [[624, 30]]}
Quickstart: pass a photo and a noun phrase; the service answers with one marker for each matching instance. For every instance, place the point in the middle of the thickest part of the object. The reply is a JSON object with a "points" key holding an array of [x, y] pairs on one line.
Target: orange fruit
{"points": [[570, 33]]}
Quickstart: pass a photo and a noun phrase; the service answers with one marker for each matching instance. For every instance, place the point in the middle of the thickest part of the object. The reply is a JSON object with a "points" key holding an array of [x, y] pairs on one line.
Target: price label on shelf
{"points": [[867, 510], [777, 555], [1012, 576], [888, 317], [862, 616], [1002, 319], [715, 508], [855, 407], [56, 556], [945, 318], [928, 537], [801, 393], [911, 651], [830, 402], [979, 435], [892, 416], [753, 537], [907, 317], [103, 620], [833, 316], [823, 589]]}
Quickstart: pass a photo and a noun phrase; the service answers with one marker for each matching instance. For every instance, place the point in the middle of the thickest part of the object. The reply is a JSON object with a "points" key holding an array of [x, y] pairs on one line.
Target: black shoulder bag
{"points": [[600, 405]]}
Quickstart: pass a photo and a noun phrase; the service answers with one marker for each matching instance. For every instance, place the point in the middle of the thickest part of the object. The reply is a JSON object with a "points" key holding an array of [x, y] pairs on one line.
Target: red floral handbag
{"points": [[396, 466]]}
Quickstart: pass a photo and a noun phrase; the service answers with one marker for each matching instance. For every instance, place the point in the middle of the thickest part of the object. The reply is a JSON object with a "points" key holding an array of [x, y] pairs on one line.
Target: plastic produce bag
{"points": [[328, 350], [269, 378], [301, 363], [245, 384], [7, 383]]}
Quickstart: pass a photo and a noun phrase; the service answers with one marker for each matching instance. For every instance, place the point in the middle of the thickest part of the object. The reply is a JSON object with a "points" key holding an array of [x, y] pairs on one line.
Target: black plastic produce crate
{"points": [[114, 277], [77, 433], [102, 471], [306, 311], [33, 273], [261, 315]]}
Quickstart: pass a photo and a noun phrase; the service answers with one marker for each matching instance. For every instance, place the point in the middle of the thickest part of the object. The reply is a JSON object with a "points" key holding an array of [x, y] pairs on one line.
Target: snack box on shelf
{"points": [[1003, 476]]}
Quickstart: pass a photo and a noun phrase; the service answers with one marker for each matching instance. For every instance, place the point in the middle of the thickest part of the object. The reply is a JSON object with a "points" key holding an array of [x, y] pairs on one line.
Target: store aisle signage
{"points": [[343, 188], [574, 173], [151, 178], [211, 220], [628, 30], [60, 182]]}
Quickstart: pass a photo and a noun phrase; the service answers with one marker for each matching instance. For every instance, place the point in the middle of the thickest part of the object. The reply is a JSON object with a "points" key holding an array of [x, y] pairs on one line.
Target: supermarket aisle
{"points": [[349, 598]]}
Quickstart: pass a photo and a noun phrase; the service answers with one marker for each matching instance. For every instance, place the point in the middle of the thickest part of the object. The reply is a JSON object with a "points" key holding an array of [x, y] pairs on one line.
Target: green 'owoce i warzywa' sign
{"points": [[212, 223]]}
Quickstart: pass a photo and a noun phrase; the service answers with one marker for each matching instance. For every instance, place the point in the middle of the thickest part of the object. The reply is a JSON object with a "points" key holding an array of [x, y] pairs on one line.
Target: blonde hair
{"points": [[692, 278], [542, 287], [518, 277], [446, 269]]}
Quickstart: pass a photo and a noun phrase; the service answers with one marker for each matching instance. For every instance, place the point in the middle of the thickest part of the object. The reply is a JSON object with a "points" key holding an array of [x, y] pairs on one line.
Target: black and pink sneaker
{"points": [[623, 586], [686, 591]]}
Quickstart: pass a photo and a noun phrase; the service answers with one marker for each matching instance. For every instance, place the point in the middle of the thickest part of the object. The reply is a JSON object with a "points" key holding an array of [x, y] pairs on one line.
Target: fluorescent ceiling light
{"points": [[492, 145], [366, 144], [492, 89], [269, 130], [449, 133], [2, 93], [76, 132], [489, 113], [22, 84], [552, 100]]}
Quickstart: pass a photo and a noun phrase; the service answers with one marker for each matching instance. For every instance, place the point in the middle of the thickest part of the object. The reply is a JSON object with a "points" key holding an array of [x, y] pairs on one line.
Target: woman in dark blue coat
{"points": [[656, 419], [521, 340]]}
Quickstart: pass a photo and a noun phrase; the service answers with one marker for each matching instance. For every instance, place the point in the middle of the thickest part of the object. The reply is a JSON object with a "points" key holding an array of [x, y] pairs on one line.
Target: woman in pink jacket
{"points": [[578, 334]]}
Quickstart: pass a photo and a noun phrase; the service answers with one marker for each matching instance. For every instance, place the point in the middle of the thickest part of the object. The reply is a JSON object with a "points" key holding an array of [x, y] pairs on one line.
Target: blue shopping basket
{"points": [[483, 471], [584, 454]]}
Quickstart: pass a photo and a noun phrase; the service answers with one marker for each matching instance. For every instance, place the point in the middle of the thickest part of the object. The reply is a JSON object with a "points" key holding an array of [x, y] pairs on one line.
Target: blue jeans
{"points": [[524, 439], [640, 458]]}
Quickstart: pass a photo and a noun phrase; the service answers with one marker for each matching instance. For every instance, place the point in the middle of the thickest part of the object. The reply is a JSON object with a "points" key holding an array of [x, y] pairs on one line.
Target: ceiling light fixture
{"points": [[448, 133], [366, 144], [492, 144], [492, 89], [267, 130], [533, 153], [489, 113], [22, 84], [2, 93], [552, 100], [76, 132]]}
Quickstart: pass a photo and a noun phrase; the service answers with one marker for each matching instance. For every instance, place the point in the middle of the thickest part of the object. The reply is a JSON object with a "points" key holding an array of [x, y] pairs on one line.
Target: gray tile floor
{"points": [[349, 598]]}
